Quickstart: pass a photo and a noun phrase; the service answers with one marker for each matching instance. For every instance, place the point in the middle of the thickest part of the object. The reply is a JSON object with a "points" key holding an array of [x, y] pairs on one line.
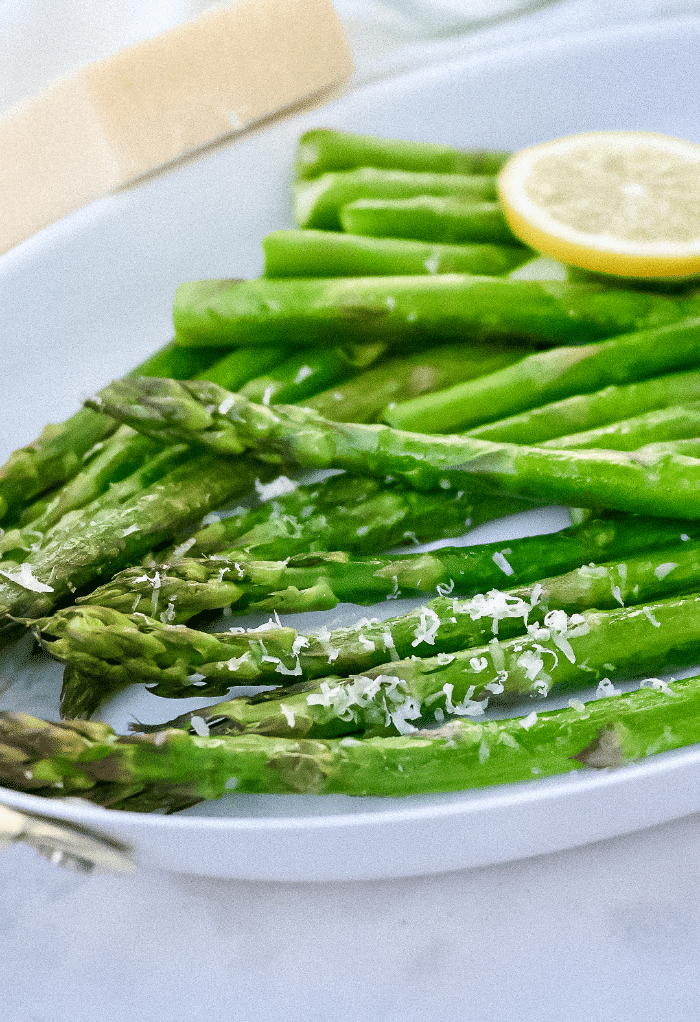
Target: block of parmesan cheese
{"points": [[119, 118]]}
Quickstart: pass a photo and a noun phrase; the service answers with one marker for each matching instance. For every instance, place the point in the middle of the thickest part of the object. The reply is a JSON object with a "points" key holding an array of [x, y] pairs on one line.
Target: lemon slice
{"points": [[619, 202]]}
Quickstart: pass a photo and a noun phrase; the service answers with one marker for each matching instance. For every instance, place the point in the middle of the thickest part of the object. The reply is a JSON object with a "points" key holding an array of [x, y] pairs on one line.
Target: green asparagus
{"points": [[359, 514], [107, 648], [429, 218], [307, 373], [545, 376], [43, 563], [364, 398], [178, 589], [590, 410], [315, 253], [414, 310], [171, 769], [659, 479], [324, 149], [317, 202], [676, 422], [86, 474], [58, 453], [563, 651], [106, 535]]}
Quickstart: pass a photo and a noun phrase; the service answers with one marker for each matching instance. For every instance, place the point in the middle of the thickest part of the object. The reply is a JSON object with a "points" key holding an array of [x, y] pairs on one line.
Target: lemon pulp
{"points": [[619, 202]]}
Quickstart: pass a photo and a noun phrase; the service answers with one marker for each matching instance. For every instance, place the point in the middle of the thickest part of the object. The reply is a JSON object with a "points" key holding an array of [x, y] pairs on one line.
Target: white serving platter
{"points": [[89, 298]]}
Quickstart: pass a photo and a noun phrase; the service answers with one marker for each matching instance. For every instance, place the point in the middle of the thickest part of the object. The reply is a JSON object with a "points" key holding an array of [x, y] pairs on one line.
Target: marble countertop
{"points": [[610, 931]]}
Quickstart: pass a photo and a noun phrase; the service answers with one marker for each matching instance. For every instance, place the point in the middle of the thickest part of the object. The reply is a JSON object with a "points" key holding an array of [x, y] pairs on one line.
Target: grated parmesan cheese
{"points": [[659, 685], [606, 688], [236, 661], [648, 613], [499, 559], [300, 642], [25, 578], [200, 726], [288, 714], [227, 404], [577, 705], [277, 488], [390, 645], [428, 627]]}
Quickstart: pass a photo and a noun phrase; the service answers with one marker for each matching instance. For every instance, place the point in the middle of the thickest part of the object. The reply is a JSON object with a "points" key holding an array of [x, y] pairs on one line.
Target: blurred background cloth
{"points": [[42, 39]]}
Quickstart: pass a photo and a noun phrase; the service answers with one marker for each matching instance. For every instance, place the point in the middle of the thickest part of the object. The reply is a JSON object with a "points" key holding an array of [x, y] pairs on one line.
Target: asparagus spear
{"points": [[364, 398], [564, 650], [84, 473], [317, 202], [108, 534], [171, 769], [590, 410], [520, 561], [413, 310], [359, 514], [106, 648], [117, 459], [42, 568], [659, 479], [676, 422], [180, 588], [545, 376], [315, 253], [118, 468], [429, 218], [324, 149], [306, 373], [58, 453]]}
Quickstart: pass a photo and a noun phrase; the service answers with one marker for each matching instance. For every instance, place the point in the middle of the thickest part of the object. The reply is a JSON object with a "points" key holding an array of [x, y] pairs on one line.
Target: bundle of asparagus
{"points": [[388, 314]]}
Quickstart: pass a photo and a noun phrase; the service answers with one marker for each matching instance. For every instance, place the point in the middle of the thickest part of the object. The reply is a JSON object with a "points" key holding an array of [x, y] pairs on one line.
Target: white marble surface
{"points": [[607, 932]]}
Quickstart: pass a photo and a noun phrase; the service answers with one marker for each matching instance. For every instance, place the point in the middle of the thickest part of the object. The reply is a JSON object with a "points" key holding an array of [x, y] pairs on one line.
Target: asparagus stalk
{"points": [[364, 398], [119, 458], [658, 479], [86, 473], [116, 478], [58, 453], [677, 422], [118, 468], [106, 649], [317, 202], [166, 495], [108, 534], [307, 373], [318, 253], [359, 514], [582, 412], [557, 373], [564, 650], [429, 218], [414, 310], [324, 149], [179, 589], [171, 769]]}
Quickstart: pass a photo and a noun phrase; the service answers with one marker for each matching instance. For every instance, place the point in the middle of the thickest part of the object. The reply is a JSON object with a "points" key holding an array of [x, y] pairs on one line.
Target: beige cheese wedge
{"points": [[117, 119]]}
